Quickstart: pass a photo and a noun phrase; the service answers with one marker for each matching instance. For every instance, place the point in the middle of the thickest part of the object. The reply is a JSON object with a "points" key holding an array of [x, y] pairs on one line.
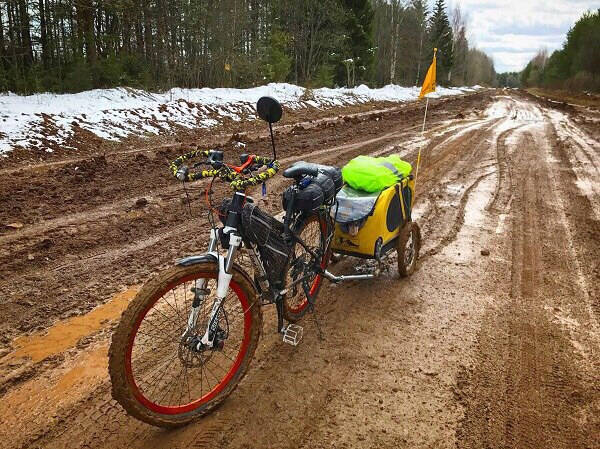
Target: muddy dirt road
{"points": [[472, 351]]}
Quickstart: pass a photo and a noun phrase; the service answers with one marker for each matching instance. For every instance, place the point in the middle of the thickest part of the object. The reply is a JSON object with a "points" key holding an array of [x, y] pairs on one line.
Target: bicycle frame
{"points": [[225, 263]]}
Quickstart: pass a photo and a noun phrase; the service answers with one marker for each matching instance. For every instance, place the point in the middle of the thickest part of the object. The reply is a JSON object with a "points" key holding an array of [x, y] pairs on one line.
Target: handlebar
{"points": [[233, 174]]}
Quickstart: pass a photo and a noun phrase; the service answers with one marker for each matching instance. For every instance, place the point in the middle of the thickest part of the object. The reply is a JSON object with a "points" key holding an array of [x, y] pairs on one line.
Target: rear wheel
{"points": [[160, 372], [409, 245], [312, 231]]}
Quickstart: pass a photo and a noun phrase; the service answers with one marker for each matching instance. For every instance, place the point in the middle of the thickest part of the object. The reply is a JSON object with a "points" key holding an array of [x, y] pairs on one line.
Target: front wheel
{"points": [[409, 245], [159, 373]]}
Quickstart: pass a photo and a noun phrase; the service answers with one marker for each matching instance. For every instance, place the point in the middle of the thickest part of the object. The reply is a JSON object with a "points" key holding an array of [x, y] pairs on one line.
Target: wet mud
{"points": [[492, 343]]}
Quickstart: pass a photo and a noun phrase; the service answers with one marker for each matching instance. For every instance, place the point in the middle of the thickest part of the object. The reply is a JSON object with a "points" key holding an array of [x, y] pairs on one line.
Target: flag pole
{"points": [[428, 86], [420, 147], [425, 117]]}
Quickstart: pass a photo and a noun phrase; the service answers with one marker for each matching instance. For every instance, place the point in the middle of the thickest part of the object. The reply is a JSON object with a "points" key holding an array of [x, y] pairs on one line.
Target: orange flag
{"points": [[429, 83]]}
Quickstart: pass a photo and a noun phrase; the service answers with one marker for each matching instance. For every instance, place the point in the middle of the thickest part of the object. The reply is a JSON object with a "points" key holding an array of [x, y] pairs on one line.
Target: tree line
{"points": [[576, 66], [75, 45]]}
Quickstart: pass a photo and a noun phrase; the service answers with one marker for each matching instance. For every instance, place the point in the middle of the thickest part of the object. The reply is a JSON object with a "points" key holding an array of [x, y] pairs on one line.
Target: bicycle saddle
{"points": [[300, 169]]}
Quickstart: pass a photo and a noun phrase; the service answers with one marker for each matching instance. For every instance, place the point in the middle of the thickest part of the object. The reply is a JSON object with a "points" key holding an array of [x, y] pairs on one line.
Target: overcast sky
{"points": [[512, 31]]}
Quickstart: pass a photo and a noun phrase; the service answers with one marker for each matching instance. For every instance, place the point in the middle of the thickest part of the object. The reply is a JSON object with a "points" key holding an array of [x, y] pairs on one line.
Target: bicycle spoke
{"points": [[160, 375]]}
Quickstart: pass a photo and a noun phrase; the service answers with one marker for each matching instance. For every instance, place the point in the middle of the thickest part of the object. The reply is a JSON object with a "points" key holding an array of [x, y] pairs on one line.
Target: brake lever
{"points": [[182, 173]]}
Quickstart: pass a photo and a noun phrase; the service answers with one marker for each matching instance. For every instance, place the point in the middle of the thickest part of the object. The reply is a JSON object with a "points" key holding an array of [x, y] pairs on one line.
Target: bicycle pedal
{"points": [[293, 334]]}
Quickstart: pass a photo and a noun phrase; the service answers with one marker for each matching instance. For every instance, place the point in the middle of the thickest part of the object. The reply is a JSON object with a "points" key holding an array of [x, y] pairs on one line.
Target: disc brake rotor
{"points": [[192, 353]]}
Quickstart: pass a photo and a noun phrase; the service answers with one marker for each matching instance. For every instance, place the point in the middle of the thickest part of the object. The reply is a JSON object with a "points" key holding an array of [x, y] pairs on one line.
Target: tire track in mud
{"points": [[584, 235], [523, 390], [477, 142], [504, 170], [450, 236], [474, 158], [576, 146]]}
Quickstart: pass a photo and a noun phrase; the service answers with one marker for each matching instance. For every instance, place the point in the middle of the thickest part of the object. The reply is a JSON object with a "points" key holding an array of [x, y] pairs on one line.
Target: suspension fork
{"points": [[200, 291], [224, 278]]}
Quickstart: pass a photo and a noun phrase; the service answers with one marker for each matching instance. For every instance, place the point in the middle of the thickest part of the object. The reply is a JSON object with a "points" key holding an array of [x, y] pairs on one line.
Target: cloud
{"points": [[512, 31], [527, 29]]}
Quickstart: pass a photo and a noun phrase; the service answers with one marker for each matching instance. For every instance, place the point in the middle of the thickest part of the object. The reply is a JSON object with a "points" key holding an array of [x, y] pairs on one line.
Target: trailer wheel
{"points": [[409, 244]]}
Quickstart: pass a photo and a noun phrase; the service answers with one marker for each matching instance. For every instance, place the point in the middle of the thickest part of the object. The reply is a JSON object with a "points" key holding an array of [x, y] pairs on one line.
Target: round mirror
{"points": [[269, 109]]}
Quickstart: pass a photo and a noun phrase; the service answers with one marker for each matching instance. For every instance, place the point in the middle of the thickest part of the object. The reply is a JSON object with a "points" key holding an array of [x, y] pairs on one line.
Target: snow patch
{"points": [[36, 121], [516, 110]]}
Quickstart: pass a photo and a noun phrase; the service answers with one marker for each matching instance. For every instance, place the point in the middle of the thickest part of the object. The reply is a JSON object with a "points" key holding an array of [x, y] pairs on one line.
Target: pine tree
{"points": [[74, 45], [440, 37], [359, 16], [419, 8]]}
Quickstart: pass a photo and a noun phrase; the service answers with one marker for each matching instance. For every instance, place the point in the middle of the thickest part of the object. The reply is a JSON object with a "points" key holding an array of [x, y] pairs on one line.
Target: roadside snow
{"points": [[39, 120]]}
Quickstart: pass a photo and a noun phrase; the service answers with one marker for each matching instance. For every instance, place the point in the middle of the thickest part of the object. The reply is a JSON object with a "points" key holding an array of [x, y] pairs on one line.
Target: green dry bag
{"points": [[374, 174]]}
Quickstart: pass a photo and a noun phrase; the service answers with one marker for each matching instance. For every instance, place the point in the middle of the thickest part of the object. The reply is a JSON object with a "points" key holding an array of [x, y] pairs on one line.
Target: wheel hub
{"points": [[192, 352]]}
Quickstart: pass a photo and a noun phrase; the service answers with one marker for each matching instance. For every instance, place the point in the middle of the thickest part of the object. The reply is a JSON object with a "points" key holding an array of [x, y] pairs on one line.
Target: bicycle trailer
{"points": [[373, 206]]}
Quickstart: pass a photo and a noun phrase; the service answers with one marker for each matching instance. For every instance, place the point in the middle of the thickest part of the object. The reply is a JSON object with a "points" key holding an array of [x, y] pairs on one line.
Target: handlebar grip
{"points": [[243, 184], [182, 172], [176, 163]]}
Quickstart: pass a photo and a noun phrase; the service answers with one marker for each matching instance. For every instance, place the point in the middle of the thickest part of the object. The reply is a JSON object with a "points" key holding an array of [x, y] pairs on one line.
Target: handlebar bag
{"points": [[374, 174], [333, 172]]}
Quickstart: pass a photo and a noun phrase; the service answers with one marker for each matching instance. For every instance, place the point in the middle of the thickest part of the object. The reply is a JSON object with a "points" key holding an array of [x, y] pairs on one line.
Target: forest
{"points": [[75, 45], [576, 66]]}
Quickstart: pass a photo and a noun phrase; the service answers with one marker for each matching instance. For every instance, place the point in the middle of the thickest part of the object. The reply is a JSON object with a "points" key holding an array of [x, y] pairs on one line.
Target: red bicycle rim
{"points": [[179, 409]]}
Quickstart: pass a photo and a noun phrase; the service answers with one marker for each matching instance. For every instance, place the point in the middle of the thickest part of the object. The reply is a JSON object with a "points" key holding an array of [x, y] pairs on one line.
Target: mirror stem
{"points": [[272, 141]]}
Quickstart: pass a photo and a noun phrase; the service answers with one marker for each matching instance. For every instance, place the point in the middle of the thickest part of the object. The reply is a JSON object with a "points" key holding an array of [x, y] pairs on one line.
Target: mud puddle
{"points": [[65, 334]]}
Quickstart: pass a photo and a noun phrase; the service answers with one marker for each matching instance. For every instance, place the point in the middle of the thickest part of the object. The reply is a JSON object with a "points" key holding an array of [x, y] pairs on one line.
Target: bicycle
{"points": [[186, 340], [209, 348]]}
